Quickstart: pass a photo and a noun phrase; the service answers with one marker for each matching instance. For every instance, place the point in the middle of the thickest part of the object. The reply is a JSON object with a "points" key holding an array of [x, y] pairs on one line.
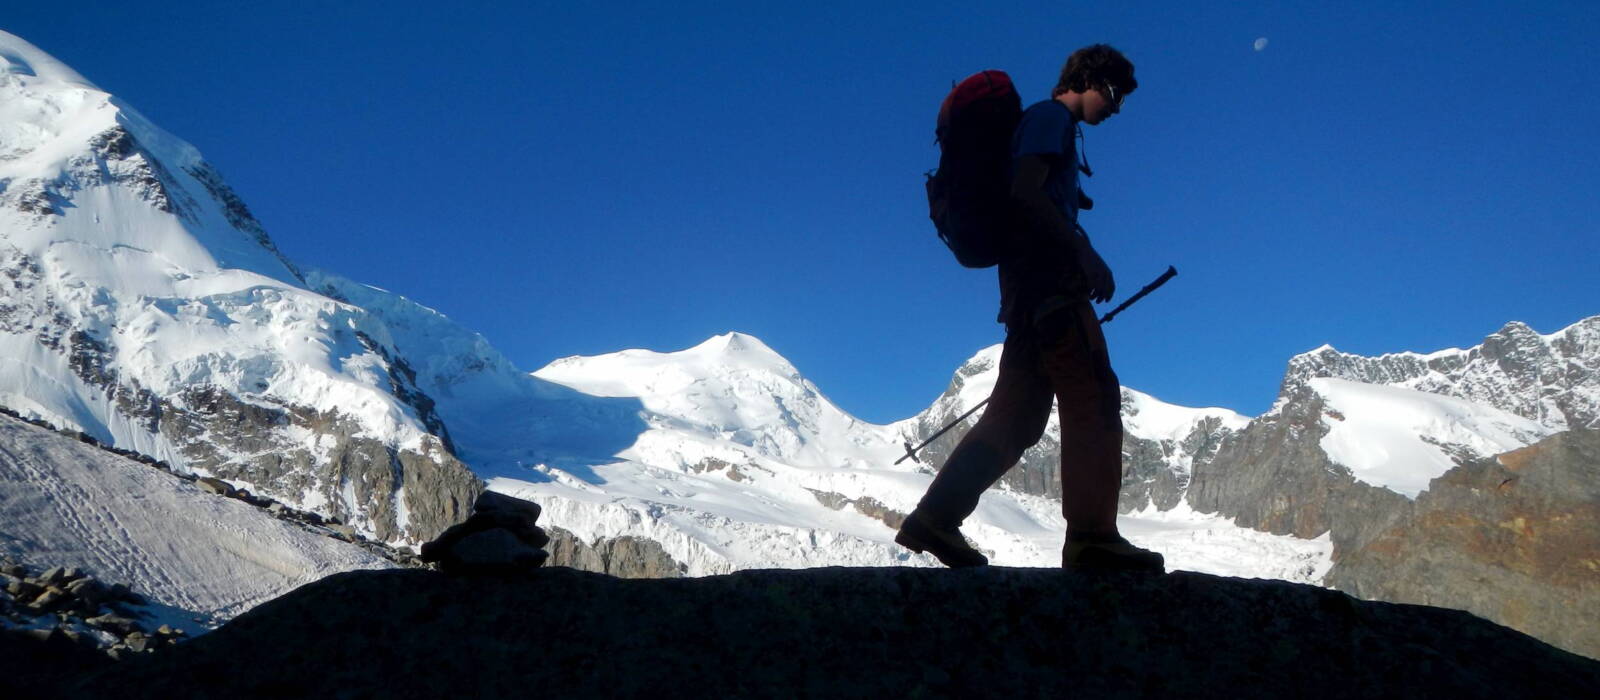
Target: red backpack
{"points": [[969, 195]]}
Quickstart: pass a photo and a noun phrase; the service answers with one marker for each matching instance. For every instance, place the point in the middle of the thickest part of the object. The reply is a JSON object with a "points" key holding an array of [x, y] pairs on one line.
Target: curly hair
{"points": [[1091, 66]]}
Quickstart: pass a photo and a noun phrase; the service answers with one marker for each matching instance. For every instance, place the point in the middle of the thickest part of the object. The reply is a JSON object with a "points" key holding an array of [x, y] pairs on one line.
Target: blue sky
{"points": [[579, 178]]}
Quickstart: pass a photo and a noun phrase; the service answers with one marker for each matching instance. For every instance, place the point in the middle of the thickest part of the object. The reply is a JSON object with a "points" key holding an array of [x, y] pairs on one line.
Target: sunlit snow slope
{"points": [[745, 463], [1399, 420], [64, 503]]}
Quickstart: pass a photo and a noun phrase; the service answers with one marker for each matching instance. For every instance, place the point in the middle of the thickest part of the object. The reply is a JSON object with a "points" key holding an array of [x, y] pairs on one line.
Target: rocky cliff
{"points": [[1394, 457], [1514, 538], [894, 632]]}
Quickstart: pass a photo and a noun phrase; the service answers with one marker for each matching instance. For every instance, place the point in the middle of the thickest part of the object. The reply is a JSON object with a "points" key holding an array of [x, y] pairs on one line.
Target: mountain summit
{"points": [[146, 307]]}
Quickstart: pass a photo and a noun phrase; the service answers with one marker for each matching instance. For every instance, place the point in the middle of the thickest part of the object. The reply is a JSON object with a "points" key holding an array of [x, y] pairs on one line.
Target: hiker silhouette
{"points": [[1054, 352]]}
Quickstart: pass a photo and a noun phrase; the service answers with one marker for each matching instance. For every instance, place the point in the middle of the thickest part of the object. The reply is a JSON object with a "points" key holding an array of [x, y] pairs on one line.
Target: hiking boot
{"points": [[945, 544], [1108, 553]]}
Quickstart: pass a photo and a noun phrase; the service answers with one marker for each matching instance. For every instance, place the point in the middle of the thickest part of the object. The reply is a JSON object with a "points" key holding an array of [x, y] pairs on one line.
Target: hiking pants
{"points": [[1062, 356]]}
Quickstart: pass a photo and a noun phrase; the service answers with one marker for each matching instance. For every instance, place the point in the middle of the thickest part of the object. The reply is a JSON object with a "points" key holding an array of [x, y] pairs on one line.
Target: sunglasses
{"points": [[1111, 91]]}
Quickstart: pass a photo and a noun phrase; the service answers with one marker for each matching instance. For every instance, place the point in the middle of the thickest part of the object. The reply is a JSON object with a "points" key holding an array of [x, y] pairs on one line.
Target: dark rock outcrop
{"points": [[626, 556], [502, 535], [1274, 476], [895, 632], [1515, 539], [67, 605], [865, 505]]}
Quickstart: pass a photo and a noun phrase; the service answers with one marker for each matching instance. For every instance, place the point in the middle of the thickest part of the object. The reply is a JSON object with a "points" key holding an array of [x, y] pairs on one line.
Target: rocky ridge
{"points": [[1552, 379], [847, 632], [1514, 538]]}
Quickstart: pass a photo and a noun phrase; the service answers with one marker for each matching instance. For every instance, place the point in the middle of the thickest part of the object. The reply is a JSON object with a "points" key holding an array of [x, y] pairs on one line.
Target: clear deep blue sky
{"points": [[579, 178]]}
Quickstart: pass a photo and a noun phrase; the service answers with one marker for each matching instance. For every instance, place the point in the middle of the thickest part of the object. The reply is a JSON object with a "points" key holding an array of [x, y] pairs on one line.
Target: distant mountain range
{"points": [[142, 304]]}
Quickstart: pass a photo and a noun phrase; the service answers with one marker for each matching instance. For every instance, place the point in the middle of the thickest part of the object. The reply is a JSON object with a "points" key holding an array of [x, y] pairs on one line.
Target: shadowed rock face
{"points": [[1514, 538], [891, 632], [1485, 537], [1274, 476], [249, 442], [626, 556]]}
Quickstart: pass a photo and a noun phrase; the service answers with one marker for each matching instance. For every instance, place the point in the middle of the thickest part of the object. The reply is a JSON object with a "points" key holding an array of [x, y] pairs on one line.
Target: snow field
{"points": [[63, 503]]}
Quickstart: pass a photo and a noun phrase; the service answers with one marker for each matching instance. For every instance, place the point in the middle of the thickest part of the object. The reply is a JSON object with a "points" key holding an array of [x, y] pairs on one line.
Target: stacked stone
{"points": [[499, 537], [67, 605]]}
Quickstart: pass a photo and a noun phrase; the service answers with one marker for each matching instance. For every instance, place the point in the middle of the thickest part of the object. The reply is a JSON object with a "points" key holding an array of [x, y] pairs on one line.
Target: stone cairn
{"points": [[66, 605], [499, 537]]}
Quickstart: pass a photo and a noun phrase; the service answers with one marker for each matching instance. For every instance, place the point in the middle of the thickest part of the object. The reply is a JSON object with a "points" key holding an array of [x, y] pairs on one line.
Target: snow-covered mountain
{"points": [[726, 457], [744, 463], [142, 304], [1392, 424], [1553, 380], [1399, 420], [733, 408], [1458, 477]]}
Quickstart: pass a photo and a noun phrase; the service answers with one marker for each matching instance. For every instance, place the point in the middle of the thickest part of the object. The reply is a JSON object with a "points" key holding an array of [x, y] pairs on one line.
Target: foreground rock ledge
{"points": [[880, 632]]}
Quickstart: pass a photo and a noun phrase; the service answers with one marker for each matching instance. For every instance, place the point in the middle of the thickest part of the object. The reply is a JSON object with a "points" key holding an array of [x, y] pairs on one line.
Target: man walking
{"points": [[1054, 348]]}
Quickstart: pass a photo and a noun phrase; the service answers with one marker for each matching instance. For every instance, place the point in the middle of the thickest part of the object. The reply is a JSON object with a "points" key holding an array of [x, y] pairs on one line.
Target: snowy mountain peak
{"points": [[732, 386], [1401, 438], [18, 57], [147, 307], [735, 342], [738, 349], [1401, 419], [80, 167]]}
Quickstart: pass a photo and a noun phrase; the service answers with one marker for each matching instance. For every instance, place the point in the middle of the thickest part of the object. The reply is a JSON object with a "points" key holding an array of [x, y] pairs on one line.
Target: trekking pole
{"points": [[911, 452]]}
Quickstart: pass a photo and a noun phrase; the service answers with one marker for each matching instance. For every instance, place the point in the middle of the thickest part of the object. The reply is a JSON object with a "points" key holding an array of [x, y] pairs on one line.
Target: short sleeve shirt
{"points": [[1048, 128]]}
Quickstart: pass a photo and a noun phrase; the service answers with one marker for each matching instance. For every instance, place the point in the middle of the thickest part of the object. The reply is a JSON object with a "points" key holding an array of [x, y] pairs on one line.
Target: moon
{"points": [[1261, 43]]}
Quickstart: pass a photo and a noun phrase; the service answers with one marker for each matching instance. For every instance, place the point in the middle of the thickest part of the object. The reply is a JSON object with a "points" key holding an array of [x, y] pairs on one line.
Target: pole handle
{"points": [[1169, 274]]}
